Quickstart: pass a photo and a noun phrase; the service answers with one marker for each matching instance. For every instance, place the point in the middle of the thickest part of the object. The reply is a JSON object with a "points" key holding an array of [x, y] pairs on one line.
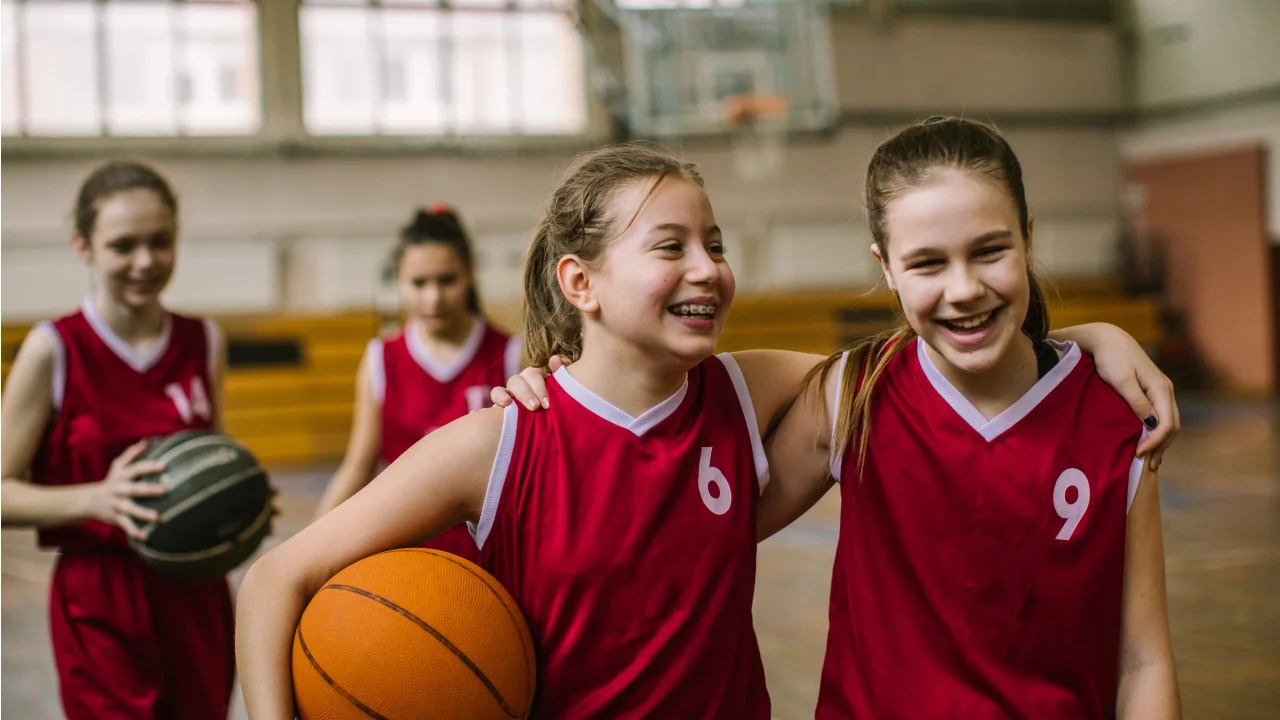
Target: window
{"points": [[1091, 10], [419, 67], [130, 67], [673, 4]]}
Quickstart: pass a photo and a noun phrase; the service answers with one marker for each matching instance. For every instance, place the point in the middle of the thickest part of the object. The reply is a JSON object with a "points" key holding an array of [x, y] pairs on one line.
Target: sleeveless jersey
{"points": [[630, 546], [979, 566], [106, 398], [418, 394]]}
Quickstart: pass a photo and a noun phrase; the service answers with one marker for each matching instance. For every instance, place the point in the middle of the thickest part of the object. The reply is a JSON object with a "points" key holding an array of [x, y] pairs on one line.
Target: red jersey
{"points": [[418, 393], [630, 546], [106, 398], [979, 569]]}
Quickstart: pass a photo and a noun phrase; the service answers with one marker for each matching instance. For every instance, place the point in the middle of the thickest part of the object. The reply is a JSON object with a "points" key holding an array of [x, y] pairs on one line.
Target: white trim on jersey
{"points": [[836, 457], [440, 371], [749, 414], [513, 358], [58, 383], [377, 369], [992, 429], [610, 413], [212, 336], [140, 363], [1135, 472], [497, 474]]}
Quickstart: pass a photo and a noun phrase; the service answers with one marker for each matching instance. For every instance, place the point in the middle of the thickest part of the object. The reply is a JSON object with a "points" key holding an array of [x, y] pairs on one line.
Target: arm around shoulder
{"points": [[774, 380], [799, 459]]}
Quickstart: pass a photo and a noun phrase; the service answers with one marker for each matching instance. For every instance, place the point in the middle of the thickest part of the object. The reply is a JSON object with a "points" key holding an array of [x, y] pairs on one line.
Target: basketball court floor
{"points": [[1220, 489]]}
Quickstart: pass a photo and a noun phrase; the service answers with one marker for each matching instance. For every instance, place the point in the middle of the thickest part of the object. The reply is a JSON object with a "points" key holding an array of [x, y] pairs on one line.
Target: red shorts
{"points": [[131, 643]]}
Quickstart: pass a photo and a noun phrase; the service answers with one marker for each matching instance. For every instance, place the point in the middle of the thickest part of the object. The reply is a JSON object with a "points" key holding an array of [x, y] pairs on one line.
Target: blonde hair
{"points": [[907, 160], [578, 222]]}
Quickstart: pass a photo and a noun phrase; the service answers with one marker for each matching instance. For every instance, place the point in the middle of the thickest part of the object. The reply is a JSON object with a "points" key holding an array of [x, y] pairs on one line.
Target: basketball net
{"points": [[757, 128]]}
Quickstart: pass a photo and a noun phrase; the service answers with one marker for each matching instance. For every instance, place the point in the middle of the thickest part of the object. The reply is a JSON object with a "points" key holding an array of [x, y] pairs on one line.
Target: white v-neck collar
{"points": [[611, 413], [140, 363], [998, 425], [443, 372]]}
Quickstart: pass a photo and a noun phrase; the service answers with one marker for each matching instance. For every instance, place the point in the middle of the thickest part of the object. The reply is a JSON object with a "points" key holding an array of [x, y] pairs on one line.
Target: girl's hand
{"points": [[1125, 366], [529, 388], [112, 499]]}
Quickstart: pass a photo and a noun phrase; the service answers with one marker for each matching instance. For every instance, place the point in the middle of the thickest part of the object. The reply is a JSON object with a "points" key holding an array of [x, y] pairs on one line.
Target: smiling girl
{"points": [[84, 393], [623, 519], [1000, 547]]}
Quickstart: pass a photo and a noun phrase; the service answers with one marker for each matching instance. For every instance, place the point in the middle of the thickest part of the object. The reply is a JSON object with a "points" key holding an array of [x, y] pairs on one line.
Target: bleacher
{"points": [[290, 392]]}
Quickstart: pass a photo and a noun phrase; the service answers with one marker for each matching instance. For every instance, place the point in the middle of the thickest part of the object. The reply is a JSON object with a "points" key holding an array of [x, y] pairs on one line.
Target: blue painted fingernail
{"points": [[1151, 422]]}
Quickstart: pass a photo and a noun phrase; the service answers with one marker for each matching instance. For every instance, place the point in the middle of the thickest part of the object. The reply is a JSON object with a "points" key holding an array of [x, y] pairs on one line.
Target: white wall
{"points": [[1191, 55], [1213, 131], [309, 232], [1189, 50], [932, 64]]}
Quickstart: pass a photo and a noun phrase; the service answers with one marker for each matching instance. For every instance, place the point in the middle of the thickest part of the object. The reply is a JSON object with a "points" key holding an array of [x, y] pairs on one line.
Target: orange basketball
{"points": [[413, 633]]}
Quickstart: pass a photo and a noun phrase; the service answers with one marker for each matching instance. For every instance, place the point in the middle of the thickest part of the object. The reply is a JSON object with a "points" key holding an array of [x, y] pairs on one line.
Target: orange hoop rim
{"points": [[741, 109]]}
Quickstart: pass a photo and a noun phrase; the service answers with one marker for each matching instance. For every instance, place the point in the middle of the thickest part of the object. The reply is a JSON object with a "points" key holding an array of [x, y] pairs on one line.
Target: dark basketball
{"points": [[217, 509]]}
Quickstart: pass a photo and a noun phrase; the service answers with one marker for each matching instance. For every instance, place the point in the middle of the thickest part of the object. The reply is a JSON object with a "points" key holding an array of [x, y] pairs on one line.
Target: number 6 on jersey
{"points": [[1073, 511], [708, 476]]}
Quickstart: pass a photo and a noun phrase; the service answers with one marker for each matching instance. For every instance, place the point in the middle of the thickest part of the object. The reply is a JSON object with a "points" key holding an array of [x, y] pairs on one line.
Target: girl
{"points": [[623, 519], [439, 368], [1000, 549], [85, 390]]}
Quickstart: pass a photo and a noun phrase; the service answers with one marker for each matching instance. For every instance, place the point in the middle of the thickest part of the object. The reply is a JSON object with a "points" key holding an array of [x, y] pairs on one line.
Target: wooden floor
{"points": [[1221, 492]]}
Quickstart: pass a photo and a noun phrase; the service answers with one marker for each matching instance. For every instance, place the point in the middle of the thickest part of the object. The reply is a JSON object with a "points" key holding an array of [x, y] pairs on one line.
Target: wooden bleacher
{"points": [[300, 412]]}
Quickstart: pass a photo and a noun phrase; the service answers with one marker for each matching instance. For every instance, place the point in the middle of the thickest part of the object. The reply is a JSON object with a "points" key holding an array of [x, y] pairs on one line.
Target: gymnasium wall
{"points": [[1203, 165], [1188, 51], [307, 230], [1207, 79], [1209, 211]]}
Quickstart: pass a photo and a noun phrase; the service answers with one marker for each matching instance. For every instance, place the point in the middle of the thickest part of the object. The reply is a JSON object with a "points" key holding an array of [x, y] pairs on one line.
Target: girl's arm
{"points": [[799, 464], [800, 479], [27, 408], [1121, 362], [789, 420], [361, 460], [438, 483], [1124, 365], [1148, 682], [774, 380]]}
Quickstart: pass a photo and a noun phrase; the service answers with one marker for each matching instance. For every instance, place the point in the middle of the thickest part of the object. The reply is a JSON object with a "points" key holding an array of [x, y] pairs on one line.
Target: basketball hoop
{"points": [[757, 128]]}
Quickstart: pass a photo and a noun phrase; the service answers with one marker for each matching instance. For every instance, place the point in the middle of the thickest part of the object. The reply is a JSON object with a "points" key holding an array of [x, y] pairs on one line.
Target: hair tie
{"points": [[934, 119], [439, 209]]}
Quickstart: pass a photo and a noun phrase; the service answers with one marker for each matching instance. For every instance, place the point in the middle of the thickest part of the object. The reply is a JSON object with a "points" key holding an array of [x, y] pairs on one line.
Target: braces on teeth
{"points": [[696, 310]]}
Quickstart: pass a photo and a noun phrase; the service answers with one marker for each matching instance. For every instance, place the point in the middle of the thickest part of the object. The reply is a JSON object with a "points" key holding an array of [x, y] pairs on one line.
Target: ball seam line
{"points": [[457, 652]]}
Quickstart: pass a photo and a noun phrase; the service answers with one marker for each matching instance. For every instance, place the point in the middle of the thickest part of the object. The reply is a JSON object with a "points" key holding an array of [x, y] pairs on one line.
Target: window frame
{"points": [[102, 67], [282, 132]]}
